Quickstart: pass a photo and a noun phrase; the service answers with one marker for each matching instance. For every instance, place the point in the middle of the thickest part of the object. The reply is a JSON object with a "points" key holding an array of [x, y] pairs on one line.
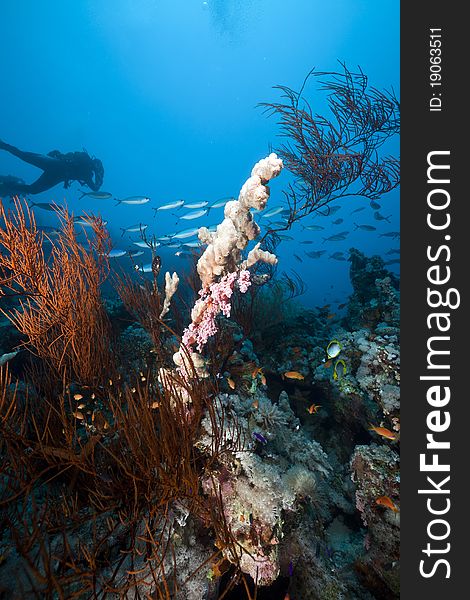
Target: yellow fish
{"points": [[231, 383], [333, 349], [335, 372]]}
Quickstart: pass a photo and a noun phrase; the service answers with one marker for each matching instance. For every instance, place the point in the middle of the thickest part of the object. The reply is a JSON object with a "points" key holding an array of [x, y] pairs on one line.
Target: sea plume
{"points": [[60, 310]]}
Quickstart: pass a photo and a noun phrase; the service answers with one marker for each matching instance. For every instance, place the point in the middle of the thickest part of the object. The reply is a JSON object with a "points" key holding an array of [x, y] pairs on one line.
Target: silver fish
{"points": [[187, 233], [357, 210], [195, 215], [393, 261], [331, 210], [48, 230], [313, 227], [192, 244], [277, 224], [171, 206], [4, 358], [45, 206], [337, 222], [337, 255], [96, 195], [307, 242], [134, 253], [133, 200], [315, 253], [393, 251], [379, 217], [197, 204], [391, 234], [339, 237], [183, 254], [375, 205], [364, 227], [86, 222], [298, 258], [146, 245], [272, 212], [133, 228], [145, 268], [221, 202], [117, 253]]}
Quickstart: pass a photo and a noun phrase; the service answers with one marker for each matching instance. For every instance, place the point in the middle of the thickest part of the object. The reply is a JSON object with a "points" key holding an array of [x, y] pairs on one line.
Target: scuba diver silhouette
{"points": [[57, 167]]}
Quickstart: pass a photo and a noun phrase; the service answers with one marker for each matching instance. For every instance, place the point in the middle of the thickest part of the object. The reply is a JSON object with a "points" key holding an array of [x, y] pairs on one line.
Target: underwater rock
{"points": [[366, 387], [135, 346], [376, 292], [10, 338], [375, 471]]}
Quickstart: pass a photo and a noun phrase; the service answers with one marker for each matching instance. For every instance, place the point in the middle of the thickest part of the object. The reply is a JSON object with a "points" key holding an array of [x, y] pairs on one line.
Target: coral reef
{"points": [[135, 347], [375, 471], [273, 472], [261, 462], [375, 297]]}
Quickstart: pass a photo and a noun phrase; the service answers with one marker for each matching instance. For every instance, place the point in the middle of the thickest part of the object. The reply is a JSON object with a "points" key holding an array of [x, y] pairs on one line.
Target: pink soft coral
{"points": [[214, 300]]}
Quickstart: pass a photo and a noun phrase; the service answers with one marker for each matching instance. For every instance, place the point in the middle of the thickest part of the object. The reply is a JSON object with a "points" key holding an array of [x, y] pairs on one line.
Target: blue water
{"points": [[165, 93]]}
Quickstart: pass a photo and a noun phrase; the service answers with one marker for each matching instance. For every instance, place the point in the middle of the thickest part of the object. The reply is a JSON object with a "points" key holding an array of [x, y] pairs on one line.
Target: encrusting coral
{"points": [[223, 253]]}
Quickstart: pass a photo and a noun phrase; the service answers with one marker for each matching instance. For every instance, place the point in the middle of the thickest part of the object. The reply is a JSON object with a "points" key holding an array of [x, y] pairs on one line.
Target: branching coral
{"points": [[336, 155], [171, 285], [144, 301]]}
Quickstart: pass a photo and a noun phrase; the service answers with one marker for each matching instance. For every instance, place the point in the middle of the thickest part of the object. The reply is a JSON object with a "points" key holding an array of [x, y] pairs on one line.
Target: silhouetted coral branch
{"points": [[336, 155]]}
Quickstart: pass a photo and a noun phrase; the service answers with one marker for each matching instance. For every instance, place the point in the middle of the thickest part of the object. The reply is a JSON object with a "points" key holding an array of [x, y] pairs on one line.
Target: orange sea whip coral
{"points": [[60, 308]]}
